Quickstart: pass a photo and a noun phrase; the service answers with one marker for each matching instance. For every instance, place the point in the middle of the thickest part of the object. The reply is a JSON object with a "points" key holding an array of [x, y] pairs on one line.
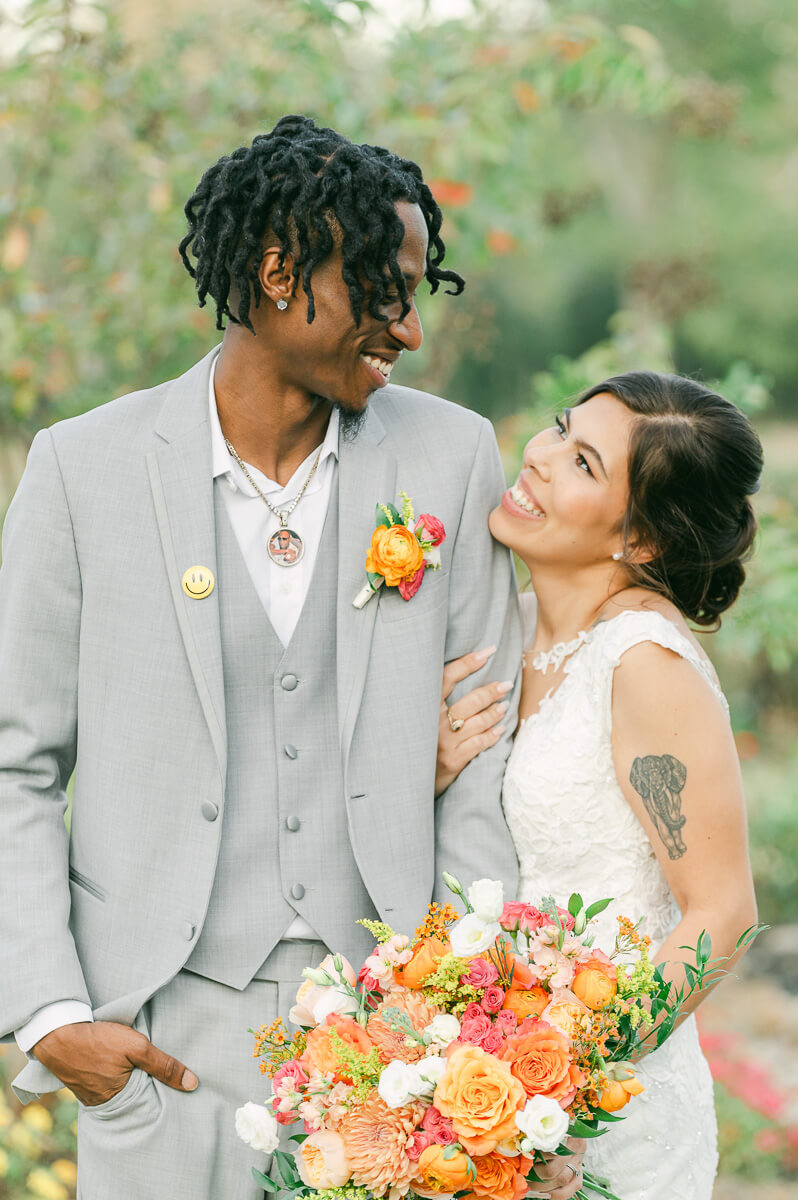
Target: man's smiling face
{"points": [[334, 358]]}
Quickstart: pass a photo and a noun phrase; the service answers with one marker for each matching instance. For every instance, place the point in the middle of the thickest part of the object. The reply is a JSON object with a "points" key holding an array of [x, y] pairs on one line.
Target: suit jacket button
{"points": [[187, 930], [293, 823], [297, 891], [288, 683], [290, 751], [210, 811]]}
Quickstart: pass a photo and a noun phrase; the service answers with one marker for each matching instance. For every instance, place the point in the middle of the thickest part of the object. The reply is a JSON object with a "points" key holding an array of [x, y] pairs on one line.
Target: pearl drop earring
{"points": [[282, 304], [618, 555]]}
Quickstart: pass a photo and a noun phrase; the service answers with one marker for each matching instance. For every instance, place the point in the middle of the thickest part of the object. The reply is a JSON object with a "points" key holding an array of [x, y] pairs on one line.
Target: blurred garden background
{"points": [[619, 179]]}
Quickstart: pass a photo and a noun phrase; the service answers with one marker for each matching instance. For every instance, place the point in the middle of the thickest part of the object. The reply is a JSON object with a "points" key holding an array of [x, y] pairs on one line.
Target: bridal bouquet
{"points": [[453, 1060]]}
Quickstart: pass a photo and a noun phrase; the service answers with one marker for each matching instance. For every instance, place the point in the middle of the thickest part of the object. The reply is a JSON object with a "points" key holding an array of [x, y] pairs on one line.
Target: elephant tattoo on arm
{"points": [[660, 780]]}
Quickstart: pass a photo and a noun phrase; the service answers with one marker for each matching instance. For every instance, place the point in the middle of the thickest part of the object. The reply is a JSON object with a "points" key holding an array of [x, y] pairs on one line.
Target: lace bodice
{"points": [[575, 832]]}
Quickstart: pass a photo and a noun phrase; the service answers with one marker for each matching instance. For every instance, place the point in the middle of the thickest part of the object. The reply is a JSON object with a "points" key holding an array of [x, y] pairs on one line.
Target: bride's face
{"points": [[569, 500]]}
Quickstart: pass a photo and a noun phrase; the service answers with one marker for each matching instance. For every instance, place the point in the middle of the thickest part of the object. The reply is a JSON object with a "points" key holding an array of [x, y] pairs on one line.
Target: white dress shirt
{"points": [[282, 592]]}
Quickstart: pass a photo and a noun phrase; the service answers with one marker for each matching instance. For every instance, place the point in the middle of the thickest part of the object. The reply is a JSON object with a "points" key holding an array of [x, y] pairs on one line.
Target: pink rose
{"points": [[409, 587], [493, 1041], [418, 1144], [431, 529], [472, 1010], [439, 1126], [493, 999], [367, 979], [481, 973], [475, 1029], [565, 917], [506, 1021], [295, 1075], [525, 917]]}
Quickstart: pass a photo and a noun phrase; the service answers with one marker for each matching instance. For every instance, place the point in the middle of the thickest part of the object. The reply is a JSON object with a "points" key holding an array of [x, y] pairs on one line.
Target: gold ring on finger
{"points": [[455, 723]]}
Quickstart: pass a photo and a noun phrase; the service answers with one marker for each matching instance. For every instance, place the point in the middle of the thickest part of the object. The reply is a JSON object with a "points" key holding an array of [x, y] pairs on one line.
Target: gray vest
{"points": [[285, 845]]}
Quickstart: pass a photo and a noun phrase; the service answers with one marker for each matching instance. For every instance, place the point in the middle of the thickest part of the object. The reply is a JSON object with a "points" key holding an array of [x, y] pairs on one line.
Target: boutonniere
{"points": [[402, 549]]}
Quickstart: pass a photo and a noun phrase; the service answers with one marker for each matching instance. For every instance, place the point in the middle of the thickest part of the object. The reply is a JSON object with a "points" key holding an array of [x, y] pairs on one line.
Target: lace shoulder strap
{"points": [[614, 637]]}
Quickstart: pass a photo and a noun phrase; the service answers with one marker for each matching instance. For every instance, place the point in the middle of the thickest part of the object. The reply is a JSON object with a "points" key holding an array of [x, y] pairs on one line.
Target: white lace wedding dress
{"points": [[575, 832]]}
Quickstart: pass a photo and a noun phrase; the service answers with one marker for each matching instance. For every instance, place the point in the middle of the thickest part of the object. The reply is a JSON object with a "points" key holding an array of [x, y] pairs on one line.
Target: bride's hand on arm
{"points": [[481, 710], [677, 765]]}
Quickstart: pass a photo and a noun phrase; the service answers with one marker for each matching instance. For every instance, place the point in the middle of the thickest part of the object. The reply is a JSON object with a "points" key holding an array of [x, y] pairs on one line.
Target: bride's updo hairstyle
{"points": [[694, 459]]}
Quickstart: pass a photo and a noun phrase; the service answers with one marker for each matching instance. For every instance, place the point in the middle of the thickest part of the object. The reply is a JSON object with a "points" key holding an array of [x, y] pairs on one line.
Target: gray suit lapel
{"points": [[367, 475], [181, 479]]}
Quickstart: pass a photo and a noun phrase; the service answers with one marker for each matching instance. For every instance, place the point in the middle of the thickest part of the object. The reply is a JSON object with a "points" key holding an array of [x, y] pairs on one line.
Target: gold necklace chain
{"points": [[282, 516]]}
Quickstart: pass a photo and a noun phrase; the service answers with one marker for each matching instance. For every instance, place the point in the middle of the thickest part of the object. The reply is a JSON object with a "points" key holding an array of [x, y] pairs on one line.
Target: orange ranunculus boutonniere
{"points": [[402, 549]]}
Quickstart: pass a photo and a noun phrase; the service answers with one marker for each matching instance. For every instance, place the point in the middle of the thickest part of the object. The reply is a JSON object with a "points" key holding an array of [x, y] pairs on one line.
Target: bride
{"points": [[632, 516]]}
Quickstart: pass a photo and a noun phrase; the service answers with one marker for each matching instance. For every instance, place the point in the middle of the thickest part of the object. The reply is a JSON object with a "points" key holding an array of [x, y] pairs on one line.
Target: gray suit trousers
{"points": [[150, 1142]]}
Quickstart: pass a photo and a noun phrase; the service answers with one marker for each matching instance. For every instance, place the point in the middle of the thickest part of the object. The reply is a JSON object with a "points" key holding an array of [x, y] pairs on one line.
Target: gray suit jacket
{"points": [[108, 669]]}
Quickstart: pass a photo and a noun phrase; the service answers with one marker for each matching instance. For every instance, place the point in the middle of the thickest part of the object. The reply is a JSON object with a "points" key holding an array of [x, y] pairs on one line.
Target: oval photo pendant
{"points": [[285, 547]]}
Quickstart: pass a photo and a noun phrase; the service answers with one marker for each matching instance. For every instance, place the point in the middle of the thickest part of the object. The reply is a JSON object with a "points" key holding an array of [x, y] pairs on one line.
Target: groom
{"points": [[254, 756]]}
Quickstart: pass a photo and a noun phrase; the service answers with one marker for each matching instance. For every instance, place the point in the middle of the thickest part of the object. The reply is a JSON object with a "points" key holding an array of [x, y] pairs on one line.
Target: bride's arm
{"points": [[677, 765]]}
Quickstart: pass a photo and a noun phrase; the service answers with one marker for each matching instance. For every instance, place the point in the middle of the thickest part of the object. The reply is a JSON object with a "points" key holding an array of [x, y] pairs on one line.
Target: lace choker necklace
{"points": [[558, 653]]}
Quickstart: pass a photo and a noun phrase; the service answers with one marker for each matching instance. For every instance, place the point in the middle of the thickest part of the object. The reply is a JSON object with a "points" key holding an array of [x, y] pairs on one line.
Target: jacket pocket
{"points": [[88, 885]]}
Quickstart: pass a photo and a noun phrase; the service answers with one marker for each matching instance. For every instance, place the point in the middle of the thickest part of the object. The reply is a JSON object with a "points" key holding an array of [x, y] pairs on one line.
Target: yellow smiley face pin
{"points": [[198, 582]]}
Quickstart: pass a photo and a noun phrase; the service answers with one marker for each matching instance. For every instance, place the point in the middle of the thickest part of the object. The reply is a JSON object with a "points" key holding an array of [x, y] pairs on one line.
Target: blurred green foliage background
{"points": [[619, 182]]}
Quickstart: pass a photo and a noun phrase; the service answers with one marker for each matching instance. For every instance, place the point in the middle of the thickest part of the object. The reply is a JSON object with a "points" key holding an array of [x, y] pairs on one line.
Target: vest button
{"points": [[290, 751], [209, 810], [292, 823], [187, 930], [288, 683], [297, 891]]}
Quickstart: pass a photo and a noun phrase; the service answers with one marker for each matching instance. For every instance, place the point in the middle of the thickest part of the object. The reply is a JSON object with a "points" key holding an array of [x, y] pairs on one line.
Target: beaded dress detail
{"points": [[574, 831]]}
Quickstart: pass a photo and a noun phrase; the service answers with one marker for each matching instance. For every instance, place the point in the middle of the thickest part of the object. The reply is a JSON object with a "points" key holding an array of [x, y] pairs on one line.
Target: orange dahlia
{"points": [[376, 1139], [392, 1044]]}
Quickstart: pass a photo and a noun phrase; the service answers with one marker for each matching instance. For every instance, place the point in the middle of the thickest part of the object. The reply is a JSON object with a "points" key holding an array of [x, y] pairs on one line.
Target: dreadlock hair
{"points": [[307, 186]]}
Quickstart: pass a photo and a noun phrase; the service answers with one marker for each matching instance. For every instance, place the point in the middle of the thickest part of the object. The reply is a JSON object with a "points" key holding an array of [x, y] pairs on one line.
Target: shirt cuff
{"points": [[52, 1016]]}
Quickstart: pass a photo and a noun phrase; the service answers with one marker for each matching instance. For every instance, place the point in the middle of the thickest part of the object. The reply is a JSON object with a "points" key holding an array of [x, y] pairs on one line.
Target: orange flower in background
{"points": [[541, 1061], [529, 1002], [320, 1051], [392, 1044], [395, 553], [426, 956], [501, 1178], [441, 1174], [595, 983], [481, 1097], [499, 241], [451, 193], [567, 1013], [619, 1092], [375, 1139], [526, 96]]}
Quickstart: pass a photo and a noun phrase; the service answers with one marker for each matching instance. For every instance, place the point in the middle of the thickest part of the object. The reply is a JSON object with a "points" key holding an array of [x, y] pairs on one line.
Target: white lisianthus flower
{"points": [[442, 1030], [543, 1123], [471, 935], [430, 1069], [334, 1000], [433, 557], [486, 897], [400, 1083], [257, 1126]]}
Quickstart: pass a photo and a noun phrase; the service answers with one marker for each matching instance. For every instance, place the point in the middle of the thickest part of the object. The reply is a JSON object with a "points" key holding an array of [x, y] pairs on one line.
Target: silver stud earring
{"points": [[618, 555], [282, 304]]}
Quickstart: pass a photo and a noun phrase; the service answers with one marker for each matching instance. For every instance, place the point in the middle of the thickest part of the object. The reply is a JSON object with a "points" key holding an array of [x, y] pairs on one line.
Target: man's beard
{"points": [[351, 422]]}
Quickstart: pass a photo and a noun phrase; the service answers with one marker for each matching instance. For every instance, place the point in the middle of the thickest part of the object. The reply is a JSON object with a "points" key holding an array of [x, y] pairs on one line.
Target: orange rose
{"points": [[426, 956], [395, 553], [321, 1053], [594, 986], [619, 1092], [526, 1003], [481, 1097], [441, 1174], [541, 1061], [501, 1178]]}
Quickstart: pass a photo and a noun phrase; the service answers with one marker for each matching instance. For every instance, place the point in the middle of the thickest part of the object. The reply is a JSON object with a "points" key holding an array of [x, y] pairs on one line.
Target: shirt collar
{"points": [[222, 459]]}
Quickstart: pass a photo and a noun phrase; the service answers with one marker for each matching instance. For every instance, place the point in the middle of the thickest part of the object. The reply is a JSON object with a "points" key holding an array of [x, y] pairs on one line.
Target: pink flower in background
{"points": [[493, 1041], [506, 1021], [475, 1029], [431, 529], [290, 1078], [493, 999], [481, 973], [552, 966]]}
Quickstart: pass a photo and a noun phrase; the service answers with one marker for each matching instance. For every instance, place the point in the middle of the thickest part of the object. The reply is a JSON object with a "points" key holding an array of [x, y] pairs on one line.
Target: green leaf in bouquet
{"points": [[286, 1169], [704, 947], [299, 1138], [599, 906], [264, 1180], [450, 1151], [602, 1115], [582, 1129], [748, 936], [575, 905], [471, 1169], [376, 580], [388, 514]]}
